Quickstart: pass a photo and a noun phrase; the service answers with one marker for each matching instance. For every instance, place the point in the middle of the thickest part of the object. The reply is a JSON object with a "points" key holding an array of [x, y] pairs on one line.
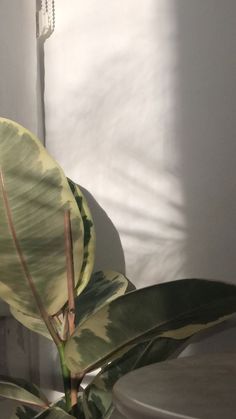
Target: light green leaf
{"points": [[102, 288], [35, 324], [54, 413], [177, 309], [97, 397], [34, 195], [20, 390], [89, 236]]}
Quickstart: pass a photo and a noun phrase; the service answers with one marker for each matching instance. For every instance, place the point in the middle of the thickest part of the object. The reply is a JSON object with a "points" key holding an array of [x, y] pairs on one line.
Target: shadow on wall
{"points": [[206, 97], [206, 127], [137, 187], [117, 117]]}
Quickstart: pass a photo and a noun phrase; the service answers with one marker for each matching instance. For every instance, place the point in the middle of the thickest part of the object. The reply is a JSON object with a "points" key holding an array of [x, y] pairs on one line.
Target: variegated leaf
{"points": [[34, 195], [61, 403], [175, 309], [102, 288], [89, 236], [35, 324], [54, 413], [23, 412], [97, 397], [22, 391]]}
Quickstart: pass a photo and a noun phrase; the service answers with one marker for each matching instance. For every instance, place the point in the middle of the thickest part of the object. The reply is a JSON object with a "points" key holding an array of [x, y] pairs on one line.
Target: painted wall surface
{"points": [[19, 99], [140, 110], [140, 105]]}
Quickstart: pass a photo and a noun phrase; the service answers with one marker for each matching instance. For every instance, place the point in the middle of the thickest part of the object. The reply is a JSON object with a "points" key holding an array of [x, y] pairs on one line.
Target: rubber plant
{"points": [[47, 247]]}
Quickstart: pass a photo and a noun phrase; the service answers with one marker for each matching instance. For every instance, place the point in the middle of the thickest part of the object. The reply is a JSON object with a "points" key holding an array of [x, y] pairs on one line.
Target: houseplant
{"points": [[47, 245]]}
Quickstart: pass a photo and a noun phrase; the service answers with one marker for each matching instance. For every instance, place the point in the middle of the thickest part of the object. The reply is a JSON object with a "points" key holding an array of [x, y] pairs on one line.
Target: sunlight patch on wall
{"points": [[111, 123]]}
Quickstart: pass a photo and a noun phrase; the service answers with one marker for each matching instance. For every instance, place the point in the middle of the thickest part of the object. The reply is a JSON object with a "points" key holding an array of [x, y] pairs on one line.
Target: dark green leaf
{"points": [[54, 413], [177, 309], [89, 236], [61, 404], [23, 412]]}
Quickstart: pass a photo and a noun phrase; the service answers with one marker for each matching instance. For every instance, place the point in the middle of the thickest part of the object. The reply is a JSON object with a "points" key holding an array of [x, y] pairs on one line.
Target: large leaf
{"points": [[61, 403], [97, 397], [102, 288], [20, 390], [34, 195], [23, 412], [89, 236], [175, 309], [36, 324], [54, 413]]}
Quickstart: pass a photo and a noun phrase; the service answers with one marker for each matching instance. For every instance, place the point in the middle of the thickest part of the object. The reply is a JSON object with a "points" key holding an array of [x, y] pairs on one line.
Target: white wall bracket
{"points": [[45, 19]]}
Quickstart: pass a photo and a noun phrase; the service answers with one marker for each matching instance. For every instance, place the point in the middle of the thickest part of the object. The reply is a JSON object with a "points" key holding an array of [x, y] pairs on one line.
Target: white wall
{"points": [[140, 105], [110, 105], [19, 98]]}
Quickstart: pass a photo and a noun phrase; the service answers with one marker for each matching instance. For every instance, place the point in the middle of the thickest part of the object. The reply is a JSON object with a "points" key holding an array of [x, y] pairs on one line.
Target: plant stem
{"points": [[71, 297], [66, 376], [70, 271]]}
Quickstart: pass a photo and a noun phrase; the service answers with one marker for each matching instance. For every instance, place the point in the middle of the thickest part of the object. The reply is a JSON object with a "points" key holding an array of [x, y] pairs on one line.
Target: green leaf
{"points": [[34, 195], [97, 397], [102, 288], [61, 403], [54, 413], [21, 390], [177, 309], [89, 236], [23, 412], [35, 324]]}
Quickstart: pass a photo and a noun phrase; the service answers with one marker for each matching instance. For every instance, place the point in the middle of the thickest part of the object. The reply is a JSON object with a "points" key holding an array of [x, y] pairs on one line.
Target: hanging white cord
{"points": [[46, 19]]}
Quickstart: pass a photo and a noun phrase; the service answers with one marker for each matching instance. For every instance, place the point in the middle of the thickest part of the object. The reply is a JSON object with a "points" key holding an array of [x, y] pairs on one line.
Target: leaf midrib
{"points": [[27, 274]]}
